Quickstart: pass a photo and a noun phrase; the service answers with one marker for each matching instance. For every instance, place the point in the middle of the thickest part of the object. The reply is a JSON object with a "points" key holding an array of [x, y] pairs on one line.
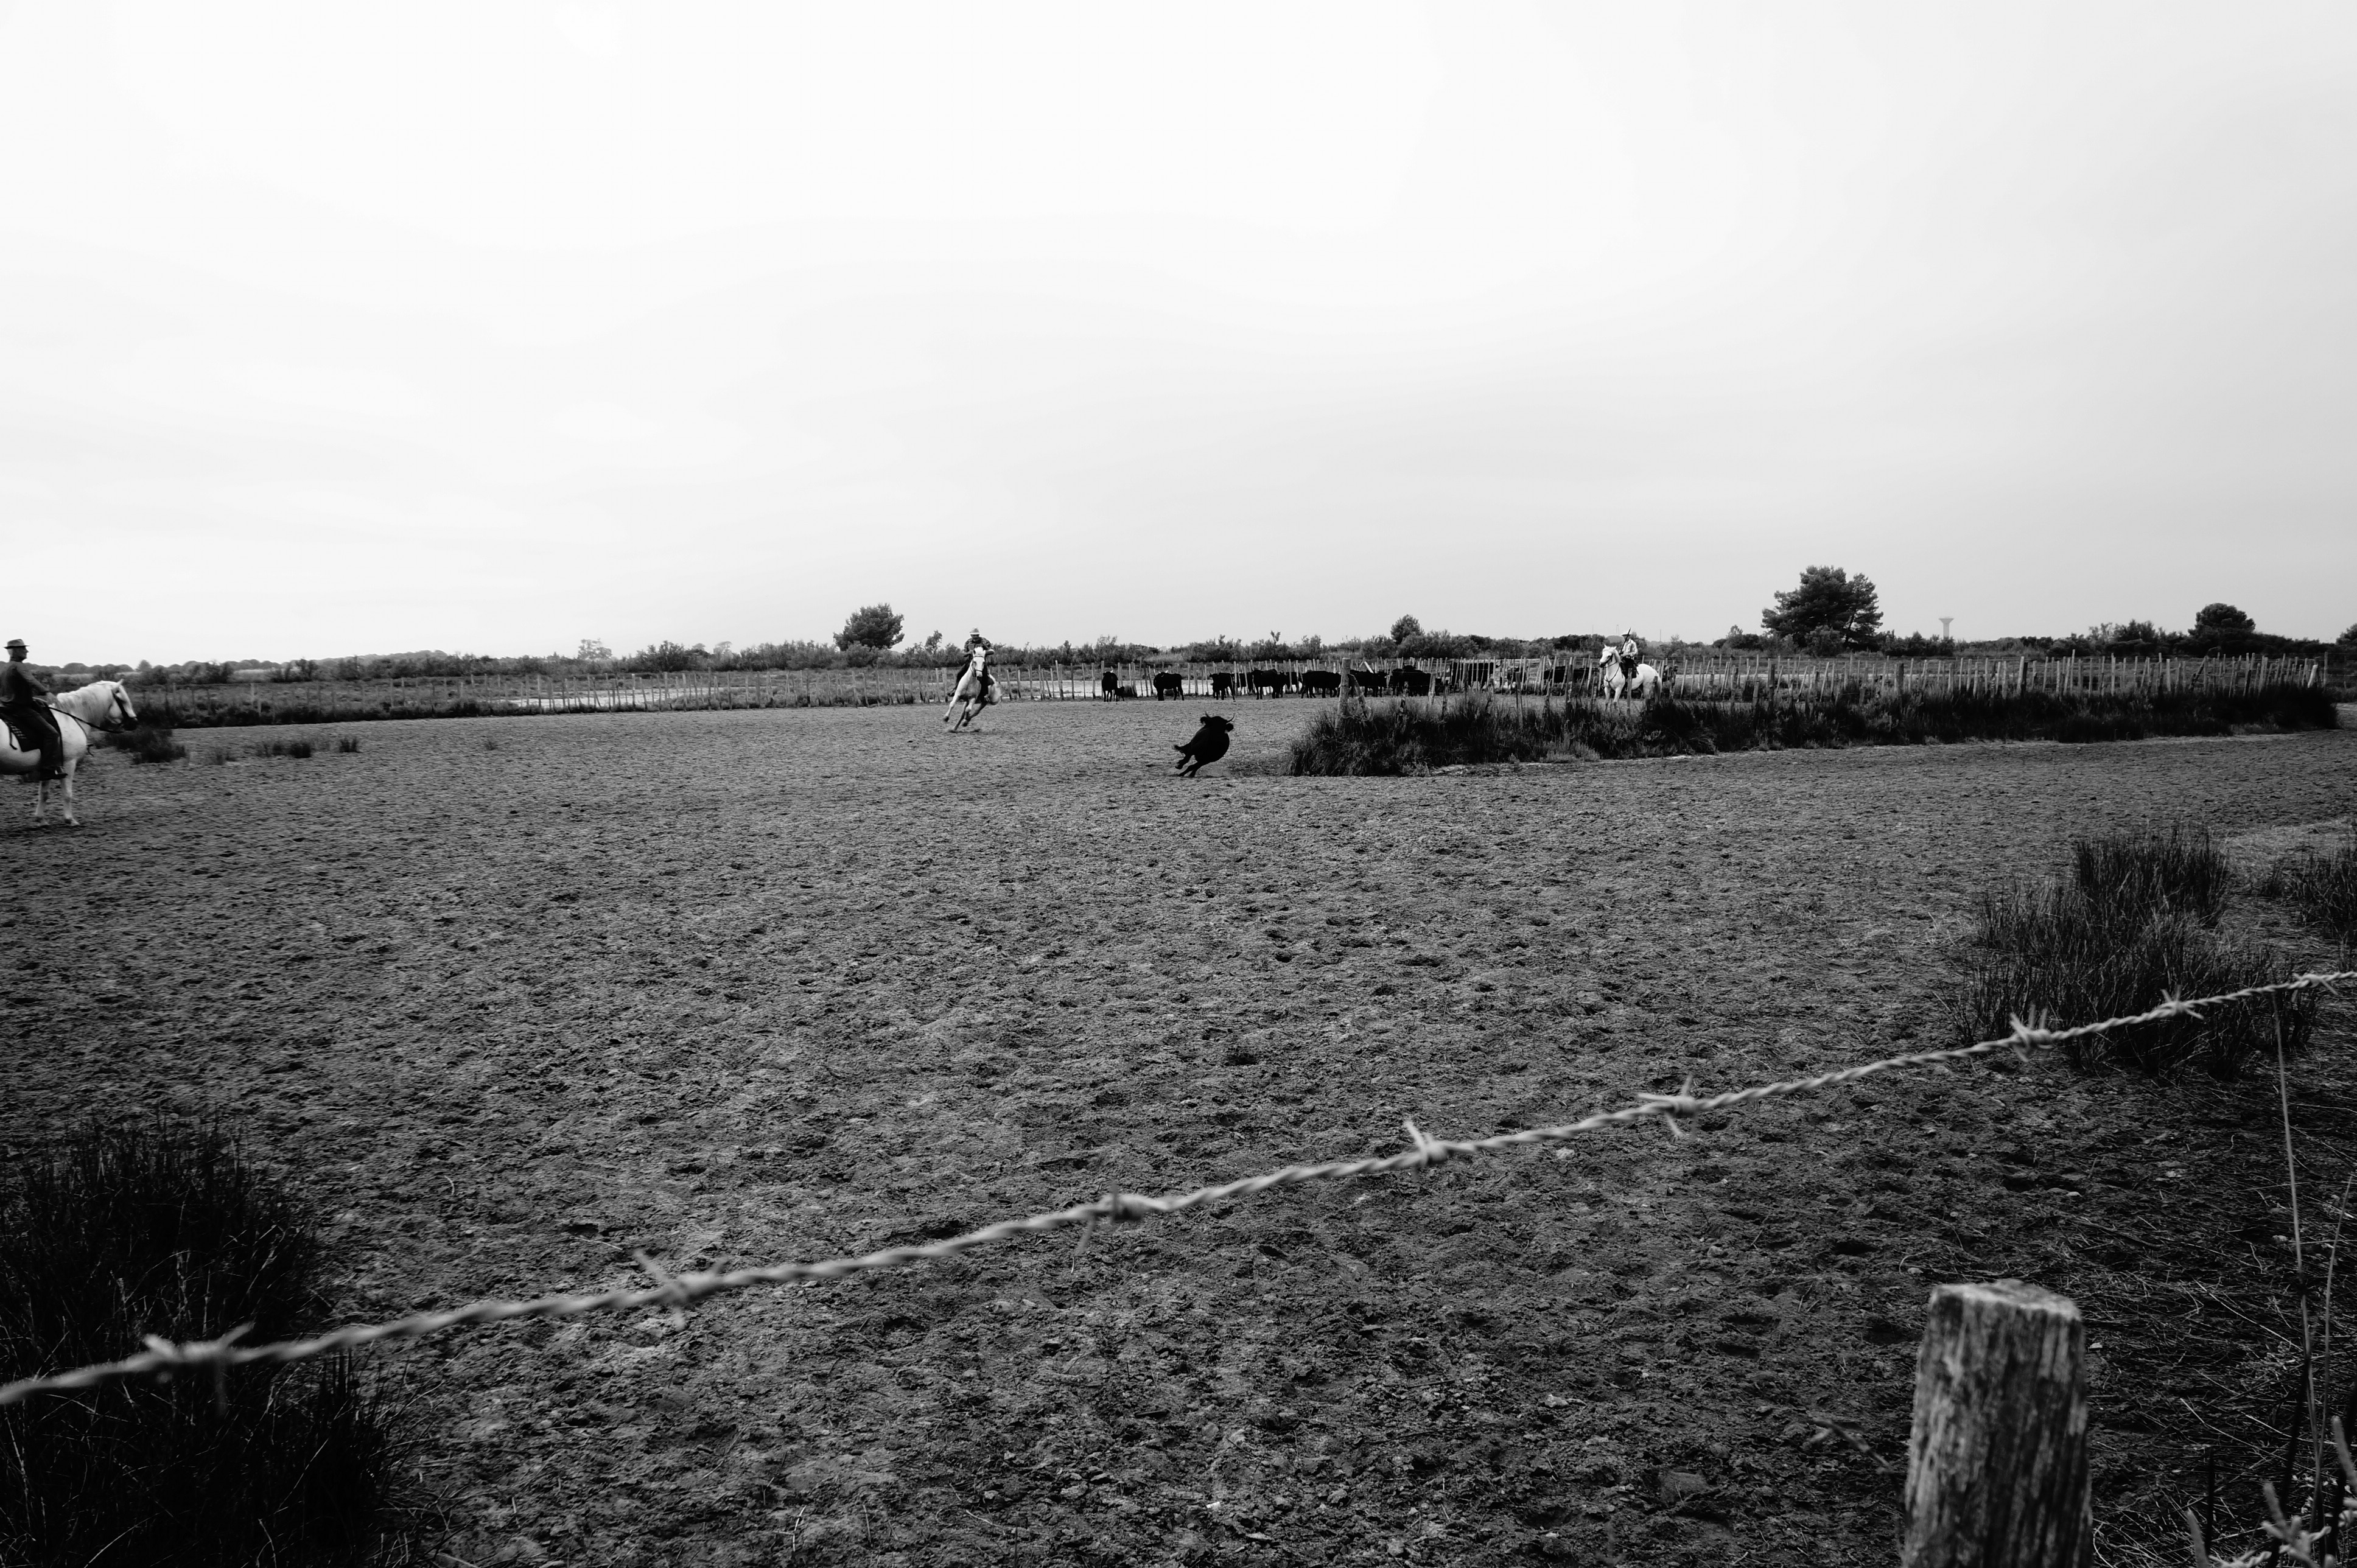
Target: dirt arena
{"points": [[512, 1000]]}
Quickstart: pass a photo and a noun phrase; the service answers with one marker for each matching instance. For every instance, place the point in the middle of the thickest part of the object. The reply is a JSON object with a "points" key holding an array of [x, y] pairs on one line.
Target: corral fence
{"points": [[1998, 1465], [1705, 677]]}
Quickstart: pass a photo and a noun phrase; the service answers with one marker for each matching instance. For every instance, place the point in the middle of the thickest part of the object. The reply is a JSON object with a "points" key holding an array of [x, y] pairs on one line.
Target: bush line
{"points": [[1379, 737]]}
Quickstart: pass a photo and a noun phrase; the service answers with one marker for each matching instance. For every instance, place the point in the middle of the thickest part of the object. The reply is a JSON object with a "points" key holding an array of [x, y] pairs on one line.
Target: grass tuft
{"points": [[282, 749], [348, 743], [2324, 886], [2135, 924], [155, 1230]]}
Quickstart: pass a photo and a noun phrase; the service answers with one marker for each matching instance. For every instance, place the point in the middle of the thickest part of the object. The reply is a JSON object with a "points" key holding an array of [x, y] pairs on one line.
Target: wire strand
{"points": [[163, 1359]]}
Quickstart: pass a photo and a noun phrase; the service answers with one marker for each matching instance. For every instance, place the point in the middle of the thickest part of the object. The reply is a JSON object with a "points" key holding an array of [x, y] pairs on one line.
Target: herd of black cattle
{"points": [[1407, 681]]}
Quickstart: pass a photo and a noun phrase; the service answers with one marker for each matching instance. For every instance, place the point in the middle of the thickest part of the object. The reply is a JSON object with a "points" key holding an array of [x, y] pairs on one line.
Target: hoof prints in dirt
{"points": [[511, 1015]]}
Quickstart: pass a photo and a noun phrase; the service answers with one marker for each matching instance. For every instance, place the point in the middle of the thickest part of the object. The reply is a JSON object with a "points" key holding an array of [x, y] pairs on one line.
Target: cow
{"points": [[1407, 681], [1223, 683], [1320, 683], [1110, 686], [1274, 681], [1168, 683], [1362, 681], [1209, 743]]}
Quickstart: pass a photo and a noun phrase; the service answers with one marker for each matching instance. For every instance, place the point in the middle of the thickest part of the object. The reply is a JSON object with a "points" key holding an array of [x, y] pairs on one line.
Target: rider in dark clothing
{"points": [[22, 703], [989, 682]]}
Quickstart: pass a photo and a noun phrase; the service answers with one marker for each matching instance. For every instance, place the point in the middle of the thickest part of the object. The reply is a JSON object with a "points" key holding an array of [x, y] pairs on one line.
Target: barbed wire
{"points": [[163, 1358]]}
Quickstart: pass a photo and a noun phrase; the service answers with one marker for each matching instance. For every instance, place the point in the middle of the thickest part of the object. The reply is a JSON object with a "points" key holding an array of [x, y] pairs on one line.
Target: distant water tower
{"points": [[1944, 626]]}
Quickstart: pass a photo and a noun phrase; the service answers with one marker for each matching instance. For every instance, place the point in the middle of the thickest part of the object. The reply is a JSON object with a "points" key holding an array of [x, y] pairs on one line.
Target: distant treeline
{"points": [[1406, 641]]}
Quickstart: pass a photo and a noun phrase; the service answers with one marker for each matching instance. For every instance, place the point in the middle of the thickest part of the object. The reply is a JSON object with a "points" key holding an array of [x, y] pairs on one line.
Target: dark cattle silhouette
{"points": [[1168, 684], [1110, 685], [1410, 682], [1209, 743], [1321, 683], [1364, 681], [1224, 682], [1271, 680]]}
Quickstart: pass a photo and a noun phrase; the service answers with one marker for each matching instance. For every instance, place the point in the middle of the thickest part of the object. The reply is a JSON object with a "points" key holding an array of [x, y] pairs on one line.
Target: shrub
{"points": [[348, 743], [154, 1230], [2133, 926], [148, 742]]}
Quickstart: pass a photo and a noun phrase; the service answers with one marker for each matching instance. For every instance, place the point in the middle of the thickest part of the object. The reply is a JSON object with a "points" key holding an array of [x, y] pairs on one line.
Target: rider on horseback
{"points": [[974, 639], [1632, 654], [22, 705]]}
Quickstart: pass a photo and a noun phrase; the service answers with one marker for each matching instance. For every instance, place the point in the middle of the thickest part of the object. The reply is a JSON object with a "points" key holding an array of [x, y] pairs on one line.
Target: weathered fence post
{"points": [[1996, 1466]]}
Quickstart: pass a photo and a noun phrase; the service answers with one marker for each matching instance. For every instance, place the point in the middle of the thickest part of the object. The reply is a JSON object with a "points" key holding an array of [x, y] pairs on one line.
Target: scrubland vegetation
{"points": [[1357, 737]]}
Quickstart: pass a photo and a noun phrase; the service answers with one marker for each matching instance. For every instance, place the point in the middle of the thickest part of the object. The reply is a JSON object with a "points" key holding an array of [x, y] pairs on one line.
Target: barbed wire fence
{"points": [[163, 1358]]}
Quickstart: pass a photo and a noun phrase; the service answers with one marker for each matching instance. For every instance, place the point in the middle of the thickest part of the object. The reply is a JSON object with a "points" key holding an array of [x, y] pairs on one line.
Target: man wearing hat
{"points": [[22, 703]]}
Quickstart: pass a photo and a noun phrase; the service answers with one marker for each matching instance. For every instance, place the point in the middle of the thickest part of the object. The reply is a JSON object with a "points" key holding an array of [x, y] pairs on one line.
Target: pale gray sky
{"points": [[330, 328]]}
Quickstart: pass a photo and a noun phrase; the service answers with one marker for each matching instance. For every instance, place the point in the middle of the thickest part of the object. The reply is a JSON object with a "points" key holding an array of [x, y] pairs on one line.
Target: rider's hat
{"points": [[17, 643]]}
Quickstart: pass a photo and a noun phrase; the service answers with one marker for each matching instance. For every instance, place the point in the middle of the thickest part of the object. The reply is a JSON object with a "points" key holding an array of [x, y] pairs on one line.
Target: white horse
{"points": [[102, 704], [1645, 683], [973, 692]]}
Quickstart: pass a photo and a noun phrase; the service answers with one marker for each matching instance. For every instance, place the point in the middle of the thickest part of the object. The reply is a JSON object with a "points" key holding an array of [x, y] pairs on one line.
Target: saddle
{"points": [[23, 737]]}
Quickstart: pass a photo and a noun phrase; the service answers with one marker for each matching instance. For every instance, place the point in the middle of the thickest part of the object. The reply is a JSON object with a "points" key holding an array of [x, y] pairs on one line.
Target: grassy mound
{"points": [[2136, 922], [154, 1231], [1359, 737]]}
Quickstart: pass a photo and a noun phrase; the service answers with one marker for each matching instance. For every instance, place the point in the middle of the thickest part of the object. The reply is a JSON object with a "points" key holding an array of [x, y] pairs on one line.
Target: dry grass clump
{"points": [[2323, 886], [2136, 923], [161, 1230], [148, 742]]}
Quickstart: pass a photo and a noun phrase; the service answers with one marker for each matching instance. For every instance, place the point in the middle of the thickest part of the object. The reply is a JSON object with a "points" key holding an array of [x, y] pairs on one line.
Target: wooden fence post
{"points": [[1996, 1466]]}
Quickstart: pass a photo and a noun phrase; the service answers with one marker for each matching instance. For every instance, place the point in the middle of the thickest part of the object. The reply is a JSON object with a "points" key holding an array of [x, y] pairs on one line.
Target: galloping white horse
{"points": [[102, 704], [973, 692], [1647, 681]]}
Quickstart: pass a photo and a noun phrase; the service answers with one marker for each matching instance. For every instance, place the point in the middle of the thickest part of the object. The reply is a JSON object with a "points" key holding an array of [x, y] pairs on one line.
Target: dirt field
{"points": [[513, 999]]}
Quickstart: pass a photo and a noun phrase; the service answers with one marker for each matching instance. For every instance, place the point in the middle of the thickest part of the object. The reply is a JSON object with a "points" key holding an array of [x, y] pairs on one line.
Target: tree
{"points": [[871, 625], [1405, 628], [666, 657], [2223, 617], [1828, 600], [2347, 639]]}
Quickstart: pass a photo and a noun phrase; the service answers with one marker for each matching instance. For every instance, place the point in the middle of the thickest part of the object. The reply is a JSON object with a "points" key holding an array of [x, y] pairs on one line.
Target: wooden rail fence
{"points": [[1704, 677]]}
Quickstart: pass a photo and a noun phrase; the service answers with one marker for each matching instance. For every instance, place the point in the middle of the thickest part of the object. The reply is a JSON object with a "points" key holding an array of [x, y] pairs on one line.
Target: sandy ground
{"points": [[513, 999]]}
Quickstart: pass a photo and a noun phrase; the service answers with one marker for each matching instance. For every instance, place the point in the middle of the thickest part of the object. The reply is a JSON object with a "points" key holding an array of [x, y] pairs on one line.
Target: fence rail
{"points": [[1701, 676], [163, 1358]]}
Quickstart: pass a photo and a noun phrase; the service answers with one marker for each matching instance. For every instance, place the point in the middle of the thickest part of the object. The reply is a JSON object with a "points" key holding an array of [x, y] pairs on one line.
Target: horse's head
{"points": [[981, 657], [104, 705]]}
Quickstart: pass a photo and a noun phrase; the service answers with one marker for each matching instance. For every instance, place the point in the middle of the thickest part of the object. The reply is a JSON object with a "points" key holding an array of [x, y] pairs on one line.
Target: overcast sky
{"points": [[493, 326]]}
